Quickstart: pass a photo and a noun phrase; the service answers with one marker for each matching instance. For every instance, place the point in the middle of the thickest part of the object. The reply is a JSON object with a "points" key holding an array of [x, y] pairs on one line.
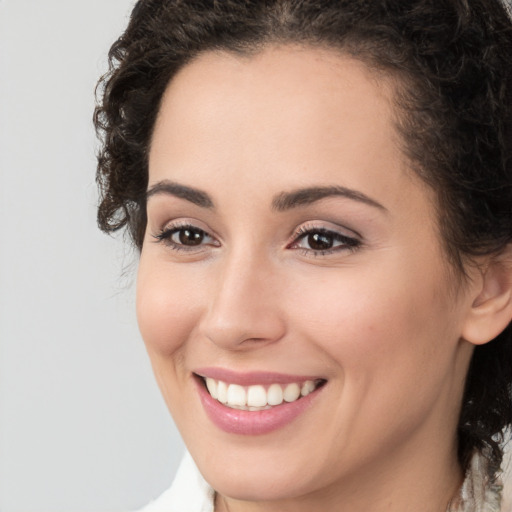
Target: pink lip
{"points": [[251, 378], [235, 421]]}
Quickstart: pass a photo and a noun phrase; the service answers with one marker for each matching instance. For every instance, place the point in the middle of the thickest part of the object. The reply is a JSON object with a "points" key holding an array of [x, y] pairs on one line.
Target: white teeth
{"points": [[257, 398], [307, 388], [236, 395], [275, 395], [291, 392], [222, 392], [211, 384]]}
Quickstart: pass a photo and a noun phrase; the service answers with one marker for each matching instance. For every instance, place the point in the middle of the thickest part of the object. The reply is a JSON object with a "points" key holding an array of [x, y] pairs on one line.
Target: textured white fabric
{"points": [[191, 493], [508, 6], [476, 495], [506, 504], [188, 493]]}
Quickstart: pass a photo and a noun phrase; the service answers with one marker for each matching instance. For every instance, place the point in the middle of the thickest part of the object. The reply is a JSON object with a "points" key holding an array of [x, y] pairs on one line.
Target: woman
{"points": [[321, 193]]}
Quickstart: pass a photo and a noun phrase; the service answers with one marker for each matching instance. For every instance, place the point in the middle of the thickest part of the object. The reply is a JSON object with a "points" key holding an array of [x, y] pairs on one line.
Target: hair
{"points": [[451, 61]]}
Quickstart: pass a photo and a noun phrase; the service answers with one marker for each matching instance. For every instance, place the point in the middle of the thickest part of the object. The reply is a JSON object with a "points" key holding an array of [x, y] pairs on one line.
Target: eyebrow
{"points": [[305, 196], [193, 195], [282, 202]]}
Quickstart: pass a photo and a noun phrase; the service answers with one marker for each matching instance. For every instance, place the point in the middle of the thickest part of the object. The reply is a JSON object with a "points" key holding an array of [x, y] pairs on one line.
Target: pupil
{"points": [[320, 241], [189, 237]]}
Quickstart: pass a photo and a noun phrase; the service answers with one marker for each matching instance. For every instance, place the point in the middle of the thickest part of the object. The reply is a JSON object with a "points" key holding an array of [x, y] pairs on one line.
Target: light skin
{"points": [[380, 315]]}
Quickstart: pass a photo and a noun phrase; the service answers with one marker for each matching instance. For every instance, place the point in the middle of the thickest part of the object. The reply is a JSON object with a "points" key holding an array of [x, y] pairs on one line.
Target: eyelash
{"points": [[166, 234], [346, 243]]}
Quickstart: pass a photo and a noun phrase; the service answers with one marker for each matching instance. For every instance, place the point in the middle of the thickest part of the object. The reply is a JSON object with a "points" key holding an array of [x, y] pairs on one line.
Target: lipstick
{"points": [[254, 403]]}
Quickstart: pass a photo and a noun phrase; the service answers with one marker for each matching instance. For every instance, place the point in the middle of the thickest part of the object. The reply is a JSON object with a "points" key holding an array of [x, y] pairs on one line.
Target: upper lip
{"points": [[253, 377]]}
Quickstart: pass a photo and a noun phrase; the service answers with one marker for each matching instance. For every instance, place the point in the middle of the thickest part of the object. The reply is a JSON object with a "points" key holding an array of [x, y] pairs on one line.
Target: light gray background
{"points": [[82, 424]]}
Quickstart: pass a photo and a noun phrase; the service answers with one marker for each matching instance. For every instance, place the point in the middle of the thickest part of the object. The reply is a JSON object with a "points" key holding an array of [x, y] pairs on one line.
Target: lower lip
{"points": [[250, 423]]}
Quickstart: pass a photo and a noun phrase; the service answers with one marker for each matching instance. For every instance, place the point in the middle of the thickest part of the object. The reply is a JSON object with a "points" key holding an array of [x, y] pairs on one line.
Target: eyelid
{"points": [[349, 242], [182, 222], [315, 225]]}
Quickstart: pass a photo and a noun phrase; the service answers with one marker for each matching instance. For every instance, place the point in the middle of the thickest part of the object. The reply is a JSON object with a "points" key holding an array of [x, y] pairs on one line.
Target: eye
{"points": [[185, 237], [322, 241], [188, 236]]}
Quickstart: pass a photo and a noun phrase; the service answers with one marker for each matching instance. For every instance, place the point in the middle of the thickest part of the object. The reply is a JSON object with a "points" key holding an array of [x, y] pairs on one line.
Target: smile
{"points": [[255, 403], [259, 397]]}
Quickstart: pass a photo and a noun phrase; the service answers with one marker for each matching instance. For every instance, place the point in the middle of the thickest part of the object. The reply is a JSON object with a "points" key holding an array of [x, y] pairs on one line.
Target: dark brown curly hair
{"points": [[452, 61]]}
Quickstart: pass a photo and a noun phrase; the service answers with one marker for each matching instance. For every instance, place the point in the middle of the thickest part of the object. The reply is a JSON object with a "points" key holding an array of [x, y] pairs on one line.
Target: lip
{"points": [[236, 421], [252, 378]]}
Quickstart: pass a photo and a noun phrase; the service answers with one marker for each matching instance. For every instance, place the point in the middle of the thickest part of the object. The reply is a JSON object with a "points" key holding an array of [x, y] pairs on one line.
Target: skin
{"points": [[383, 322]]}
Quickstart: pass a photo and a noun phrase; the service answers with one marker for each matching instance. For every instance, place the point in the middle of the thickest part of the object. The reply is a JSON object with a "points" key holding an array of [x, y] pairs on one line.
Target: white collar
{"points": [[188, 493]]}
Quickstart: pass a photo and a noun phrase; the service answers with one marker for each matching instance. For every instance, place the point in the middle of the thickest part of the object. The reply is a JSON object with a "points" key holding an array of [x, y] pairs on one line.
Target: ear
{"points": [[491, 307]]}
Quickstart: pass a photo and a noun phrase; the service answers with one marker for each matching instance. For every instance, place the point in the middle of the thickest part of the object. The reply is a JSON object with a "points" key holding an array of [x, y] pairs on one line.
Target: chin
{"points": [[245, 482]]}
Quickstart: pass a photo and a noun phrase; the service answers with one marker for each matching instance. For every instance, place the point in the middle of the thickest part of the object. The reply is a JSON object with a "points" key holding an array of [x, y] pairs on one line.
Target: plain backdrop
{"points": [[82, 423]]}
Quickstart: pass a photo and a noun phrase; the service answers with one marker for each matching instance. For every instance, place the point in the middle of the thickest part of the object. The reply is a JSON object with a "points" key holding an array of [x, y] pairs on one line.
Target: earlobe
{"points": [[491, 307]]}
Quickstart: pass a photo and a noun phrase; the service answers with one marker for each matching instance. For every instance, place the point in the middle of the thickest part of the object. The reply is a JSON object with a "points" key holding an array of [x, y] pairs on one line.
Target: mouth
{"points": [[259, 397], [255, 403]]}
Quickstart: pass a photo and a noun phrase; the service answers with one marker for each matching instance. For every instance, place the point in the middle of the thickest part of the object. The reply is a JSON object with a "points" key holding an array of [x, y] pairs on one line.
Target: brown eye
{"points": [[189, 236], [186, 238], [320, 241]]}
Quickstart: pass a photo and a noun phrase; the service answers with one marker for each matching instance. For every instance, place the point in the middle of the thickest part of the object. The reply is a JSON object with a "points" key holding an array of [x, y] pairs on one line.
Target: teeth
{"points": [[275, 395], [236, 395], [307, 388], [212, 387], [257, 398], [291, 392], [222, 392]]}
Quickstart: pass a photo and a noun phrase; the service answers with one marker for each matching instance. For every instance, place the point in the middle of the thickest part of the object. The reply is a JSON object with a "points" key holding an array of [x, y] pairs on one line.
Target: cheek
{"points": [[392, 344], [367, 321], [167, 309]]}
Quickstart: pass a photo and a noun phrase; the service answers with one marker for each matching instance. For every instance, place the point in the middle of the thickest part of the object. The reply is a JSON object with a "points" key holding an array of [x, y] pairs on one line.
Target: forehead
{"points": [[296, 79], [293, 115]]}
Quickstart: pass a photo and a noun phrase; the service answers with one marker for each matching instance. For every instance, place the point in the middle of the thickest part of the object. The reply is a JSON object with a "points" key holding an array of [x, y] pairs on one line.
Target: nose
{"points": [[243, 309]]}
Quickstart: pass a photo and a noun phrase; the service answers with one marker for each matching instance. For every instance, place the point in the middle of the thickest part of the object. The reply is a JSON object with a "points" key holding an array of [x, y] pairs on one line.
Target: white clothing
{"points": [[188, 493]]}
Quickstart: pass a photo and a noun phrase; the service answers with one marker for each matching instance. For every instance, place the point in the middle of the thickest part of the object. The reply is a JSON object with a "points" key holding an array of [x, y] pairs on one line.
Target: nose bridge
{"points": [[243, 307]]}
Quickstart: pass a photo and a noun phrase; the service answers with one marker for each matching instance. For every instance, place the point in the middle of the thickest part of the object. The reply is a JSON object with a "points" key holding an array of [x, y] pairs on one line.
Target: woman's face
{"points": [[290, 249]]}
